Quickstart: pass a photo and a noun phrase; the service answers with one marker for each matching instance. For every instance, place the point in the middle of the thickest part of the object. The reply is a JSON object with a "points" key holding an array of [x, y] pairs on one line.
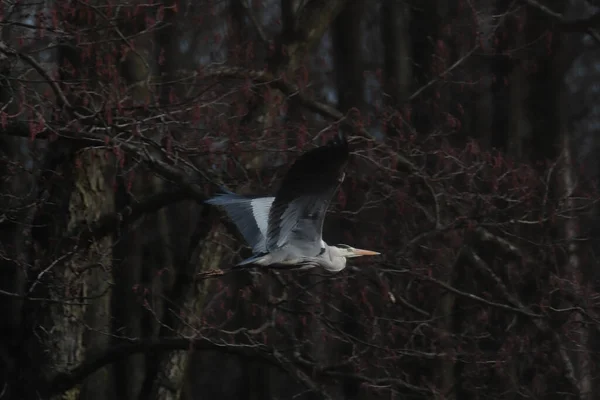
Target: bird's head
{"points": [[350, 252]]}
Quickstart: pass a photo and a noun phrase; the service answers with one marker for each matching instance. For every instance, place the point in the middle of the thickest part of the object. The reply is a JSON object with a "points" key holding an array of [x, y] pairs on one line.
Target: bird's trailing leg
{"points": [[210, 274]]}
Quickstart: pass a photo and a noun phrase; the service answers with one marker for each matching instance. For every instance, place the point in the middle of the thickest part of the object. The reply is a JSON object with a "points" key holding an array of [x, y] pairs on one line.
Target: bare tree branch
{"points": [[472, 296], [66, 380], [246, 4], [539, 323], [63, 381], [506, 246], [109, 223], [450, 69], [587, 25], [295, 94], [40, 70]]}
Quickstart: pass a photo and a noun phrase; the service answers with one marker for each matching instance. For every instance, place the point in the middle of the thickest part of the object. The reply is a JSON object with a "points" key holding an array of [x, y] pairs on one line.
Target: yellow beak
{"points": [[361, 252]]}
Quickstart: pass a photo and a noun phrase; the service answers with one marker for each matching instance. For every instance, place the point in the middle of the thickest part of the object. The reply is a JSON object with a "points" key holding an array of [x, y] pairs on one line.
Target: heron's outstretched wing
{"points": [[250, 215], [297, 214]]}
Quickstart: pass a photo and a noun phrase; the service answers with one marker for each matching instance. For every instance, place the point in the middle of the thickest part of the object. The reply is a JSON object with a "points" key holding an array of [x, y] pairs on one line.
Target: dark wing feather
{"points": [[298, 211]]}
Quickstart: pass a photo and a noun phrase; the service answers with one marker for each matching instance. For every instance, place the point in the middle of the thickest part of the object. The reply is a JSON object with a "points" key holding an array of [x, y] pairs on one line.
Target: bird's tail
{"points": [[257, 259], [224, 198]]}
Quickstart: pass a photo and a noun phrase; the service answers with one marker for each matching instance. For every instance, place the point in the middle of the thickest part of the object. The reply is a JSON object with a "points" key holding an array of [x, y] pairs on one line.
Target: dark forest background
{"points": [[474, 129]]}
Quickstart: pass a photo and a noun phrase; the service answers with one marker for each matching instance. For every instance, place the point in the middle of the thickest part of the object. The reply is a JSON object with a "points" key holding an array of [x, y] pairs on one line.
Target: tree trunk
{"points": [[128, 309], [574, 269], [80, 322], [395, 16], [209, 248], [575, 274]]}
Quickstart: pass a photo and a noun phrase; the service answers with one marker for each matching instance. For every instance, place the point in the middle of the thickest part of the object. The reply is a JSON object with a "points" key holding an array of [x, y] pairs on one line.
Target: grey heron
{"points": [[285, 230]]}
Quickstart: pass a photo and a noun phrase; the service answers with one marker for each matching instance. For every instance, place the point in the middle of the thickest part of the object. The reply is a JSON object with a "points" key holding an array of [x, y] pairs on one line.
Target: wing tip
{"points": [[253, 260], [216, 200], [221, 198]]}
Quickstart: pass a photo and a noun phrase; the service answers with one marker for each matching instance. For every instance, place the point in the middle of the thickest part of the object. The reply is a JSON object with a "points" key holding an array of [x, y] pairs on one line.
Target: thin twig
{"points": [[259, 28], [584, 25], [450, 69], [39, 69]]}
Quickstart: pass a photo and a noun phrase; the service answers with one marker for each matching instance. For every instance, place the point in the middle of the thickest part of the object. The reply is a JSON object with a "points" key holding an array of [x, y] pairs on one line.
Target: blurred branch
{"points": [[259, 28], [300, 375], [295, 94], [288, 16], [4, 49], [471, 296], [63, 381], [544, 9], [188, 185], [155, 161], [310, 23], [129, 145], [109, 223], [486, 236], [406, 303], [378, 382], [482, 265], [539, 323], [587, 25], [341, 371], [446, 72], [314, 16]]}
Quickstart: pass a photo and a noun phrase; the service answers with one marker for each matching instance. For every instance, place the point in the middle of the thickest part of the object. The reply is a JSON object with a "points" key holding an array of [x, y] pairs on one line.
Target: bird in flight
{"points": [[285, 231]]}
